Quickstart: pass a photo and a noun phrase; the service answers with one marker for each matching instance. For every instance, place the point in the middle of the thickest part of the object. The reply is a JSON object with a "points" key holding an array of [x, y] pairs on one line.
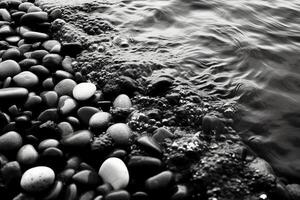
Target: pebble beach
{"points": [[78, 123]]}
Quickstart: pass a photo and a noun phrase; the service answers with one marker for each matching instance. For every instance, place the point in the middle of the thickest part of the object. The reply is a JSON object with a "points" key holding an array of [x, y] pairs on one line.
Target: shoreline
{"points": [[206, 155]]}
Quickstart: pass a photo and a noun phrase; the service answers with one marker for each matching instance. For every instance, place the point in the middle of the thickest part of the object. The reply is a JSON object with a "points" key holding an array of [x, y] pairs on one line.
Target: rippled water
{"points": [[238, 50]]}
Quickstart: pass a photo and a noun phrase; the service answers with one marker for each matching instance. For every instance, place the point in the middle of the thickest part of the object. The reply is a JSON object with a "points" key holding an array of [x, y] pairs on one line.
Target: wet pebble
{"points": [[86, 178], [144, 166], [50, 114], [65, 87], [160, 182], [9, 68], [5, 15], [120, 133], [118, 195], [65, 129], [66, 105], [10, 141], [34, 18], [149, 144], [26, 79], [35, 36], [52, 61], [122, 101], [84, 91], [27, 63], [50, 98], [27, 155], [81, 138], [100, 121], [37, 179], [47, 143]]}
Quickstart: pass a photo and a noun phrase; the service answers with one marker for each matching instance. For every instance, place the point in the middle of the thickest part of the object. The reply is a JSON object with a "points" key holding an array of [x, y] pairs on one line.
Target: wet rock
{"points": [[39, 70], [118, 195], [11, 173], [37, 179], [85, 113], [33, 101], [160, 182], [100, 121], [34, 9], [74, 122], [114, 171], [48, 83], [84, 91], [9, 68], [104, 189], [50, 44], [27, 155], [210, 123], [86, 178], [160, 85], [71, 48], [50, 98], [6, 30], [38, 54], [34, 17], [181, 193], [13, 40], [11, 54], [54, 192], [149, 144], [10, 141], [294, 190], [65, 87], [35, 36], [52, 61], [65, 129], [5, 15], [120, 133], [66, 105], [122, 101], [66, 175], [61, 75], [25, 6], [161, 134], [144, 166], [55, 13], [27, 63], [81, 138], [71, 192], [89, 195], [50, 114], [47, 144], [26, 79], [67, 64]]}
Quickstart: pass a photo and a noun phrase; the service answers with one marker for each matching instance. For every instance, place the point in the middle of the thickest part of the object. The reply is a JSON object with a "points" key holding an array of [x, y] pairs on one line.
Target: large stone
{"points": [[4, 15], [26, 79], [9, 68], [10, 141], [114, 171], [50, 98], [34, 18], [37, 179], [52, 61], [84, 91], [50, 44]]}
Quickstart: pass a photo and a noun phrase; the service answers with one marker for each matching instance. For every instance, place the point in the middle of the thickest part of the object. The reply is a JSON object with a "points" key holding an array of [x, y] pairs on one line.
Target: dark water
{"points": [[245, 51]]}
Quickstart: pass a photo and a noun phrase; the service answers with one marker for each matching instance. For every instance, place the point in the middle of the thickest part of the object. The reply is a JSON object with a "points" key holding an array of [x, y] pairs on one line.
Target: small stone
{"points": [[66, 175], [160, 182], [67, 64], [65, 87], [6, 30], [35, 36], [34, 9], [27, 155], [10, 141], [100, 120], [11, 173], [149, 144], [104, 189], [26, 63], [114, 171], [47, 143], [4, 14], [50, 98], [66, 105], [85, 113], [38, 54], [34, 18], [61, 75], [73, 163], [54, 192], [25, 6], [84, 91], [65, 129], [37, 179], [122, 101], [74, 122], [52, 154], [71, 192], [9, 68], [11, 54], [26, 79], [160, 85], [52, 61], [181, 193], [118, 195], [48, 83], [55, 13], [50, 44], [161, 134], [81, 138], [120, 133], [86, 178], [33, 101], [88, 195], [144, 166], [13, 40], [50, 114]]}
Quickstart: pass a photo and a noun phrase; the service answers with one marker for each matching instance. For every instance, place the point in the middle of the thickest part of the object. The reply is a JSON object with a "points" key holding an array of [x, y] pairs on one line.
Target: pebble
{"points": [[114, 171], [33, 101], [85, 113], [84, 91], [65, 129], [50, 44], [26, 79], [10, 141], [4, 14], [39, 70], [37, 179], [86, 178], [74, 122], [88, 195], [27, 155], [34, 18], [100, 120], [38, 54], [120, 133], [159, 182], [161, 134], [50, 98], [11, 54], [67, 64], [160, 85], [34, 9], [26, 63], [25, 6], [66, 105], [181, 193], [104, 189], [48, 83], [144, 166], [81, 138], [149, 144], [122, 101], [52, 61], [61, 75], [118, 195], [13, 40], [50, 114], [9, 68], [66, 175], [6, 30], [47, 143], [35, 36], [71, 192], [11, 173], [54, 192], [65, 87], [73, 162]]}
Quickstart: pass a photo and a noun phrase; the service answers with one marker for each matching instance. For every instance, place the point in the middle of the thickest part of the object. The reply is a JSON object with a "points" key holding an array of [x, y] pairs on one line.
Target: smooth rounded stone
{"points": [[149, 144], [104, 189], [27, 155], [9, 68], [4, 15], [181, 193], [100, 120], [26, 79], [48, 83], [161, 134], [4, 45], [50, 44], [67, 64], [66, 105], [160, 182], [65, 129], [71, 192], [78, 77], [160, 85], [50, 98], [85, 166], [66, 175], [65, 87], [11, 54], [13, 110], [47, 143], [140, 196], [6, 30], [81, 138], [12, 94], [23, 196], [86, 178], [39, 70], [34, 9], [120, 133], [74, 122], [71, 49], [122, 101], [52, 61], [37, 179], [7, 82], [294, 190], [33, 101], [38, 54], [52, 153], [26, 63], [25, 6], [11, 173], [13, 40], [114, 171], [56, 48], [54, 192], [73, 163], [10, 141], [88, 195], [23, 29], [85, 113], [118, 153], [35, 36], [14, 4], [144, 166], [210, 122], [33, 18], [49, 114], [84, 91], [4, 120], [61, 75], [118, 195], [24, 48]]}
